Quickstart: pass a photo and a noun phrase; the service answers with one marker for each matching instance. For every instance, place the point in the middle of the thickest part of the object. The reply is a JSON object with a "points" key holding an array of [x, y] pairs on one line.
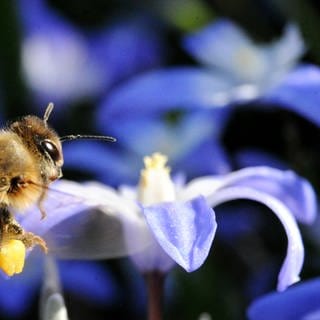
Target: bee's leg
{"points": [[40, 205], [11, 229], [30, 240]]}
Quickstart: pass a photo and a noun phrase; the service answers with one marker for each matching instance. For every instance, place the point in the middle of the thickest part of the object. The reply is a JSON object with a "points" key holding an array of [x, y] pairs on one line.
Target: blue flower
{"points": [[64, 64], [298, 302], [250, 68], [160, 223], [182, 111], [269, 72]]}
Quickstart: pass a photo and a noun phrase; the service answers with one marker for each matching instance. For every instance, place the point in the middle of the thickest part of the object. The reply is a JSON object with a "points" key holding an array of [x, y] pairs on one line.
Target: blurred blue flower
{"points": [[269, 72], [160, 223], [249, 68], [182, 112], [64, 64], [298, 302]]}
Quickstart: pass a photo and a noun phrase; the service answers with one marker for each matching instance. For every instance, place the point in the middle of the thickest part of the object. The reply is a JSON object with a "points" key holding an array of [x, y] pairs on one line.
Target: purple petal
{"points": [[299, 92], [293, 191], [292, 264], [299, 302], [185, 231]]}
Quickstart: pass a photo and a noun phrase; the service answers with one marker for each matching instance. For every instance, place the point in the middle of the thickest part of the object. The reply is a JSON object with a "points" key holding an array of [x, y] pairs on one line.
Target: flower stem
{"points": [[154, 281]]}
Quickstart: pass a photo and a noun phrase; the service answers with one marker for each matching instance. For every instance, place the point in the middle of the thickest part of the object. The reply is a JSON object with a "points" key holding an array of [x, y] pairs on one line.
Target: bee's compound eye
{"points": [[51, 149]]}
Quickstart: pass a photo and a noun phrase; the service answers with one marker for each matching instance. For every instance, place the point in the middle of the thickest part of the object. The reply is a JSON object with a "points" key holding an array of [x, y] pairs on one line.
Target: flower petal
{"points": [[159, 91], [299, 92], [293, 191], [292, 265], [185, 231], [216, 44], [285, 52], [86, 222], [298, 302], [57, 60]]}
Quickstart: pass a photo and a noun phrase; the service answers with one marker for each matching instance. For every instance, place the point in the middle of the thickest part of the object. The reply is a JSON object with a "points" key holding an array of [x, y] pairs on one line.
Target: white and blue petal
{"points": [[216, 44], [226, 47], [87, 222]]}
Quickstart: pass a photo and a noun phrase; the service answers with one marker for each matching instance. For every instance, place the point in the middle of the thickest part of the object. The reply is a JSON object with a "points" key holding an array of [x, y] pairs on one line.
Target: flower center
{"points": [[155, 183], [12, 256], [249, 64]]}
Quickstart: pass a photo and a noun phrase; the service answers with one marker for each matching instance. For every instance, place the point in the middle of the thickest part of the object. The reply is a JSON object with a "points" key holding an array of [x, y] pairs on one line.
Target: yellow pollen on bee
{"points": [[12, 257]]}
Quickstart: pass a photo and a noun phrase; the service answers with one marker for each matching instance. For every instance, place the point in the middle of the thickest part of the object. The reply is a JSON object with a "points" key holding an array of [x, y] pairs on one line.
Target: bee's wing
{"points": [[90, 222]]}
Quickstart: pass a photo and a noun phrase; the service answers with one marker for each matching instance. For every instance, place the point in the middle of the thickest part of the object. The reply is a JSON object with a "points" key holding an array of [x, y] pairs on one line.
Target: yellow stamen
{"points": [[155, 183], [12, 256]]}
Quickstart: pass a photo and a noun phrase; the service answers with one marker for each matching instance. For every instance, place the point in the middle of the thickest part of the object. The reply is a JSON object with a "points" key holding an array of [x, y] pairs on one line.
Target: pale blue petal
{"points": [[293, 191], [293, 262], [185, 231], [216, 44], [285, 52], [298, 302], [299, 92], [57, 60], [86, 221]]}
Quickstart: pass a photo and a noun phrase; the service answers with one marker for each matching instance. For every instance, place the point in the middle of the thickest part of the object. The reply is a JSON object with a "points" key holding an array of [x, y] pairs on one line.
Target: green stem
{"points": [[154, 281]]}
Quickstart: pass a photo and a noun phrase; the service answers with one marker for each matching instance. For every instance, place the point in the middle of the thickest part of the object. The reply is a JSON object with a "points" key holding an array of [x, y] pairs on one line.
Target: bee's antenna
{"points": [[89, 137], [48, 112]]}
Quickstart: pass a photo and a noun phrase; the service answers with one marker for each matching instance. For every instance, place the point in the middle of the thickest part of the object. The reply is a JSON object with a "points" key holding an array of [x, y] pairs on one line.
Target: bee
{"points": [[31, 158]]}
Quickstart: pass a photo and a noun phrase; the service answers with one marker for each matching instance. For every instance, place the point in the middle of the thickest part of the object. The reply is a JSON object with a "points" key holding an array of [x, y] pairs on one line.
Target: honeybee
{"points": [[30, 159]]}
